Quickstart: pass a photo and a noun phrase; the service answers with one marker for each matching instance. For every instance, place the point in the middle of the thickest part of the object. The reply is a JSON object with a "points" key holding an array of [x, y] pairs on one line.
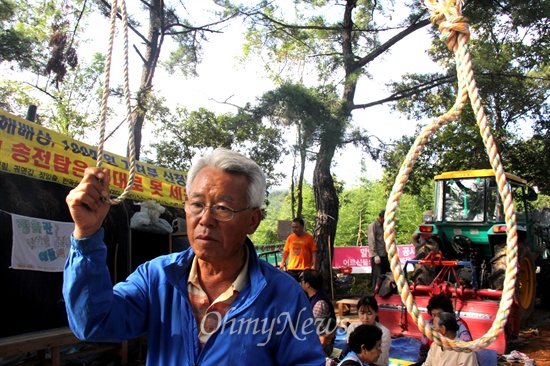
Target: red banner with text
{"points": [[359, 260], [37, 152]]}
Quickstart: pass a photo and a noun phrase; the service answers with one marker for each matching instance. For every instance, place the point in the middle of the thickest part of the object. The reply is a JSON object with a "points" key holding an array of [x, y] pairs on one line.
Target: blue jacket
{"points": [[270, 322]]}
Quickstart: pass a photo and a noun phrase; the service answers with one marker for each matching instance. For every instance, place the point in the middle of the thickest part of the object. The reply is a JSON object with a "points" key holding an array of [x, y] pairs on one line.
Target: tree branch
{"points": [[408, 92], [77, 24], [393, 40], [42, 90]]}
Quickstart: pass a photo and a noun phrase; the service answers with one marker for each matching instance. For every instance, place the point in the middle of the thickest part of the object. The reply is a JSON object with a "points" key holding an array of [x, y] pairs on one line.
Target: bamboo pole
{"points": [[330, 265]]}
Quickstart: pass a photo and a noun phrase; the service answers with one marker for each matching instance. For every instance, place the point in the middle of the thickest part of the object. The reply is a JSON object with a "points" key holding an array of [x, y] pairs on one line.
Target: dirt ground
{"points": [[534, 340]]}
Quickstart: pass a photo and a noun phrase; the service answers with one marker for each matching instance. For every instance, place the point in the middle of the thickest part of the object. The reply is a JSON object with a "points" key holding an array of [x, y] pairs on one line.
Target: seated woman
{"points": [[367, 309], [365, 346]]}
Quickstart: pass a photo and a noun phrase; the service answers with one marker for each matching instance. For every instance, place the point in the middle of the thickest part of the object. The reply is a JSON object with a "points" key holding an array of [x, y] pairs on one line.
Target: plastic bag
{"points": [[386, 285], [148, 218]]}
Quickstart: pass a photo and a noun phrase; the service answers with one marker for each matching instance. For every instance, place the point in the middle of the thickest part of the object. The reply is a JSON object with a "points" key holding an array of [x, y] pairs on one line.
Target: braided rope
{"points": [[105, 96], [455, 33]]}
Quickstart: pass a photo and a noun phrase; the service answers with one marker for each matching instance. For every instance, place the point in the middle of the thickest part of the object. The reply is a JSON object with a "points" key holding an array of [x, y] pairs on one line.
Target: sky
{"points": [[222, 78]]}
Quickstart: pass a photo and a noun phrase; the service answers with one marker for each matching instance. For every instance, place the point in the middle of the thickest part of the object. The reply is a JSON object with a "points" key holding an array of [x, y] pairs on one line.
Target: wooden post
{"points": [[330, 265]]}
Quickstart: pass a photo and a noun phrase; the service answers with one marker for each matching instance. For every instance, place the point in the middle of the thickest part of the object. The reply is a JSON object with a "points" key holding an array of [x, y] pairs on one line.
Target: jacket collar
{"points": [[177, 273]]}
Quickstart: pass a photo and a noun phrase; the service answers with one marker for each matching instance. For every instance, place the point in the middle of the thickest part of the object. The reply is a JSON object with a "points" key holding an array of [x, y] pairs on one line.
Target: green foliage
{"points": [[186, 56], [311, 36], [267, 231], [509, 51], [22, 33], [394, 159], [50, 76], [70, 109], [15, 44], [15, 97], [360, 206], [280, 208], [77, 100], [183, 134], [311, 111], [542, 201], [308, 212], [532, 158]]}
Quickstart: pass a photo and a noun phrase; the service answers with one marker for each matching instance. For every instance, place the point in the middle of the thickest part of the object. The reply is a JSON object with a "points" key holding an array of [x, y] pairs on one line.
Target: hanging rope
{"points": [[105, 97], [455, 32]]}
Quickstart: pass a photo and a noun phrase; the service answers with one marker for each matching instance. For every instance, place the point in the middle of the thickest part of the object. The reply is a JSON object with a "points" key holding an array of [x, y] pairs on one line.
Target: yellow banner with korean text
{"points": [[34, 151]]}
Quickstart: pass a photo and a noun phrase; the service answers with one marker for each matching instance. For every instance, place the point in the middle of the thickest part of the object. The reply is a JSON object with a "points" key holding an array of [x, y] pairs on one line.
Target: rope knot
{"points": [[447, 14], [443, 8], [450, 30]]}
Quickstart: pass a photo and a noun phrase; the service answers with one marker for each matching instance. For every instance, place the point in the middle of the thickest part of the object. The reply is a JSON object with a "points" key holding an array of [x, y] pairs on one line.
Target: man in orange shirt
{"points": [[300, 249]]}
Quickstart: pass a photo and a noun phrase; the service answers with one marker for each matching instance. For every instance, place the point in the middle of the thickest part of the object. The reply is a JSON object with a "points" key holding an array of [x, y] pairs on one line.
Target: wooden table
{"points": [[54, 339], [345, 305]]}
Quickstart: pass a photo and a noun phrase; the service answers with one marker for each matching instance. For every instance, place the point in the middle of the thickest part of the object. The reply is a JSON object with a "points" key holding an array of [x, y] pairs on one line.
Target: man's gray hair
{"points": [[232, 162]]}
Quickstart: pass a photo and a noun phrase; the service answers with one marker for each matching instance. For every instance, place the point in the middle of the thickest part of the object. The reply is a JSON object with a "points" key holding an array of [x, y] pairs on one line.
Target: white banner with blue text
{"points": [[40, 245]]}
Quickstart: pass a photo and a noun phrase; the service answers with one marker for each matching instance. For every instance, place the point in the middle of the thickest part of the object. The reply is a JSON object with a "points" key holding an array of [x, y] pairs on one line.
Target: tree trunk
{"points": [[326, 199], [292, 189], [301, 179], [326, 202]]}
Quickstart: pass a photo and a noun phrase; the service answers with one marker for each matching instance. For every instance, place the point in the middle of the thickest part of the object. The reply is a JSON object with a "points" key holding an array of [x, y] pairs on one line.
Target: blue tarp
{"points": [[406, 349]]}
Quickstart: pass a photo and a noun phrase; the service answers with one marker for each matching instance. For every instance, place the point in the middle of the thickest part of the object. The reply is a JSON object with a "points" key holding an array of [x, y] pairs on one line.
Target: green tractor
{"points": [[461, 252]]}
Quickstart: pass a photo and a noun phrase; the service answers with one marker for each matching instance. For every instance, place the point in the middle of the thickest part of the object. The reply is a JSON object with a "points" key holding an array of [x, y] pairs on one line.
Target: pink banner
{"points": [[359, 260]]}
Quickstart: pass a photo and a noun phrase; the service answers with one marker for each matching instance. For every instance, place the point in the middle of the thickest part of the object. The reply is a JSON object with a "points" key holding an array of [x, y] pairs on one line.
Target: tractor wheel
{"points": [[544, 278], [526, 284], [524, 294], [498, 267], [424, 275]]}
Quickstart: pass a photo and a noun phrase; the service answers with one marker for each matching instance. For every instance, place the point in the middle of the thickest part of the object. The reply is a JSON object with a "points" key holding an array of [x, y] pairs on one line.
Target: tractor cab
{"points": [[468, 216]]}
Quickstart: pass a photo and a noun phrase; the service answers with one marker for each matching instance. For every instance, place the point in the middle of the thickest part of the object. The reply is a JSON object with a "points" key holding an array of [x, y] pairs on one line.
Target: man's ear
{"points": [[255, 220]]}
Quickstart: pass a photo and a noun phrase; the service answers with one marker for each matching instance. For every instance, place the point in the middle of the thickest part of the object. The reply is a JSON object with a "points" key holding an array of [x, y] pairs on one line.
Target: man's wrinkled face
{"points": [[213, 240], [437, 326]]}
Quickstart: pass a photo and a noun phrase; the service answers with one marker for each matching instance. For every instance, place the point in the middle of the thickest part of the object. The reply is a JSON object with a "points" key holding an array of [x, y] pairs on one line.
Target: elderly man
{"points": [[447, 326], [210, 304]]}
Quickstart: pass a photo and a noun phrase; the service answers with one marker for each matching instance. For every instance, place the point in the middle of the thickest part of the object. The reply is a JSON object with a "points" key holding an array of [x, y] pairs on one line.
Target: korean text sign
{"points": [[40, 245], [37, 152], [359, 260]]}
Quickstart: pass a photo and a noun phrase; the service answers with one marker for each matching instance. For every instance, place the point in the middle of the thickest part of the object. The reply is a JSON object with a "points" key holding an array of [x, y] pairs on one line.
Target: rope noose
{"points": [[105, 96], [455, 33]]}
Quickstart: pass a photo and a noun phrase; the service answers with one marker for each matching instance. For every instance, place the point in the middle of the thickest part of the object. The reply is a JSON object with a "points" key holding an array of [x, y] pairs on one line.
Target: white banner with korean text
{"points": [[40, 245]]}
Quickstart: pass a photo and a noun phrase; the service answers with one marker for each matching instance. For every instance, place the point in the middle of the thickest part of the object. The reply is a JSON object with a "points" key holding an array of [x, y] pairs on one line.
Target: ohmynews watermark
{"points": [[300, 327]]}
